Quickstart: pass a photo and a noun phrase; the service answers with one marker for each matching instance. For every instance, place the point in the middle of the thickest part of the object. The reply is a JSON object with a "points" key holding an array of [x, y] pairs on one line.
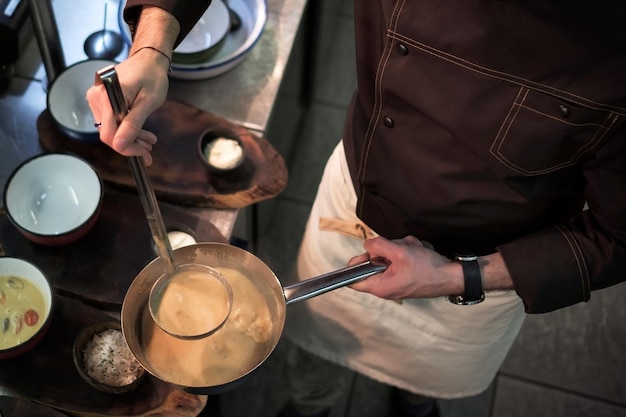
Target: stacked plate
{"points": [[211, 48]]}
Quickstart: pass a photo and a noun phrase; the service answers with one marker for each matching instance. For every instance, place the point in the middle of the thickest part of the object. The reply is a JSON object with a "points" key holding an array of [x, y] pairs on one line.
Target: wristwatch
{"points": [[474, 293]]}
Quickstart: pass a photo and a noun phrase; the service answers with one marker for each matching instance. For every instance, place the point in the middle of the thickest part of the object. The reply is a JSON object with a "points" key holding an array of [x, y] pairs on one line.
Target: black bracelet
{"points": [[169, 61]]}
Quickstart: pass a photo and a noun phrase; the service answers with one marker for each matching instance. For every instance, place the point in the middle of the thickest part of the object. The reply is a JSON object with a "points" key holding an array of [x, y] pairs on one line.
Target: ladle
{"points": [[188, 301], [104, 43]]}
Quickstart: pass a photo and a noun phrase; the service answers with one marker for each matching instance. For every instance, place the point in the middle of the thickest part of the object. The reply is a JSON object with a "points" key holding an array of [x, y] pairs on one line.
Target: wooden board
{"points": [[100, 266], [20, 407], [177, 173], [47, 375]]}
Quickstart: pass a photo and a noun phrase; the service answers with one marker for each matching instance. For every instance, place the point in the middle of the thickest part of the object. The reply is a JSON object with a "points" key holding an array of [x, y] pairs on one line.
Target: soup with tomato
{"points": [[22, 310]]}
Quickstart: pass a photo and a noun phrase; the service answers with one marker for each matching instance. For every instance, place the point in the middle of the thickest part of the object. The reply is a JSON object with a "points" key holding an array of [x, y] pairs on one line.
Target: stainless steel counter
{"points": [[245, 95]]}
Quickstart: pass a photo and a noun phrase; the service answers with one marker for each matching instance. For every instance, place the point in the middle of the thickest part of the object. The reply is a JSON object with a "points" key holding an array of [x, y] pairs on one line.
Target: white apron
{"points": [[426, 346]]}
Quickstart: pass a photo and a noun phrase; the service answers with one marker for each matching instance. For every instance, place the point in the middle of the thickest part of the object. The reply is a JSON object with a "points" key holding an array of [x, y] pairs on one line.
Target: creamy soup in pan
{"points": [[194, 302], [22, 310], [228, 354]]}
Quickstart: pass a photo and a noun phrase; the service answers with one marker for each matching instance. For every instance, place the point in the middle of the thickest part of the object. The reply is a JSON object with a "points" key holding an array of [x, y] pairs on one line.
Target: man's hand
{"points": [[144, 81]]}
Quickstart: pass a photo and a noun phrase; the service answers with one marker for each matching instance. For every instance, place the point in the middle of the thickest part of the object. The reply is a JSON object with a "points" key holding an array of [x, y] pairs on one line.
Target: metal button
{"points": [[388, 121], [564, 110], [402, 49]]}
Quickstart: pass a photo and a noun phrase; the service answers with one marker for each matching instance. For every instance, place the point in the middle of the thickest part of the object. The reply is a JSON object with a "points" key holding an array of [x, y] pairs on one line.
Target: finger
{"points": [[147, 158], [378, 246], [358, 259], [130, 137], [148, 138], [411, 240], [107, 128], [93, 101], [103, 113], [428, 245], [145, 145]]}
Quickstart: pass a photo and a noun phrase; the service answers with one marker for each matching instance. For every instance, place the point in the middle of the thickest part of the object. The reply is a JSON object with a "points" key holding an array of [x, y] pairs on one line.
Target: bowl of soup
{"points": [[25, 306], [54, 198]]}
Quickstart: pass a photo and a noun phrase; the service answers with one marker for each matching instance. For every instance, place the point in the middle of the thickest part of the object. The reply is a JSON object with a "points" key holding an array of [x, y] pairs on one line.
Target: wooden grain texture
{"points": [[47, 375], [177, 173]]}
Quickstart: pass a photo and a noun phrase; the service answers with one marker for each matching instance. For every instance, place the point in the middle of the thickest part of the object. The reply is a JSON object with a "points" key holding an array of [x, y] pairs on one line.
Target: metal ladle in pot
{"points": [[188, 301]]}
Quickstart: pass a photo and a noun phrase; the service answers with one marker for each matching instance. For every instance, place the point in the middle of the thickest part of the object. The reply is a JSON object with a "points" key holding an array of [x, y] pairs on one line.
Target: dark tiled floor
{"points": [[568, 363]]}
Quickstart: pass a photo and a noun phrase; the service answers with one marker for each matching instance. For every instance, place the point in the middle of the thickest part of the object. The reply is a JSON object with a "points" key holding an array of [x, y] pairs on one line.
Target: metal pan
{"points": [[225, 359]]}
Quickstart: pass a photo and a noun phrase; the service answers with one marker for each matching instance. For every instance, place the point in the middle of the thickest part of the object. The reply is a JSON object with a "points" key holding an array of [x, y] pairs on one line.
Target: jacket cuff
{"points": [[186, 12], [548, 270]]}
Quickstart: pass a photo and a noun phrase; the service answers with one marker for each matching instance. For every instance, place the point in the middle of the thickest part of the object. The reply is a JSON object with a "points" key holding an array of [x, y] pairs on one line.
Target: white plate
{"points": [[209, 31], [236, 45]]}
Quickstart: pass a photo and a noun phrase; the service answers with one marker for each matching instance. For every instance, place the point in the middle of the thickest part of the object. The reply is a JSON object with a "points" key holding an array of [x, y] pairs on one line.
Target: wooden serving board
{"points": [[21, 407], [177, 173], [100, 266], [47, 375]]}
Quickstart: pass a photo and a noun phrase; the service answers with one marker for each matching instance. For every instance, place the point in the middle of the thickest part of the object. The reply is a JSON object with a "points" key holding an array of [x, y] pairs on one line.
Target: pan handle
{"points": [[322, 284]]}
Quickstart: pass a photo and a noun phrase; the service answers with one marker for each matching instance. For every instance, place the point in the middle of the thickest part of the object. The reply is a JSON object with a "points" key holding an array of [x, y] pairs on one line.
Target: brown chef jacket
{"points": [[482, 126], [487, 125]]}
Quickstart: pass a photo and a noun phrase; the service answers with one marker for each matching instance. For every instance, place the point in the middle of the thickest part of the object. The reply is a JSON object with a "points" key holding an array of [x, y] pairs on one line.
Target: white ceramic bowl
{"points": [[23, 269], [67, 99], [54, 199], [205, 36]]}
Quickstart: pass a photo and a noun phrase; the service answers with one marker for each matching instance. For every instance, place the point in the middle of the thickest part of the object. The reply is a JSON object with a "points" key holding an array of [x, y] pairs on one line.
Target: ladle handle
{"points": [[108, 77], [312, 287]]}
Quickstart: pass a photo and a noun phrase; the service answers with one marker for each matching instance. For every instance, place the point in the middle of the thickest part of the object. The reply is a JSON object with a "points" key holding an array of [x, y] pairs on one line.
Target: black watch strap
{"points": [[473, 282]]}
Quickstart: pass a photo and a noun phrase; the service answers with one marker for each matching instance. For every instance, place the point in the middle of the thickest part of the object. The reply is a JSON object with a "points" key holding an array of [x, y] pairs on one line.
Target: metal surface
{"points": [[316, 286], [246, 94]]}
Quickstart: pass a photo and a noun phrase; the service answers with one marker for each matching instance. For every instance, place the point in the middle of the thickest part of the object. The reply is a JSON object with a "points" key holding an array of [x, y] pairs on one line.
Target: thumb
{"points": [[378, 246]]}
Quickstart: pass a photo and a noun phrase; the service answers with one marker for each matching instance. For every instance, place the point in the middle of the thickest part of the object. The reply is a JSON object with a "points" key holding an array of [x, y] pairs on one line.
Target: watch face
{"points": [[466, 258]]}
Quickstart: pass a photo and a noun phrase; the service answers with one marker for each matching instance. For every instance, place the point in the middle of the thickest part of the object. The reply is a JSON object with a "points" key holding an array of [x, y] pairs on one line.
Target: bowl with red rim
{"points": [[26, 301], [54, 198]]}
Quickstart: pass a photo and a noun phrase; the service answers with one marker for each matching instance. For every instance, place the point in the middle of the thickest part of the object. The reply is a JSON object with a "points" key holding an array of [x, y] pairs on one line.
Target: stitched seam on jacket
{"points": [[580, 260], [509, 120], [504, 122], [378, 101], [508, 77]]}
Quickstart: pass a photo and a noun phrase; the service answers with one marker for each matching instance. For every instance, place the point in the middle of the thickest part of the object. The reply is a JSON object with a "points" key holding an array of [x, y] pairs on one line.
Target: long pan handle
{"points": [[312, 287]]}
